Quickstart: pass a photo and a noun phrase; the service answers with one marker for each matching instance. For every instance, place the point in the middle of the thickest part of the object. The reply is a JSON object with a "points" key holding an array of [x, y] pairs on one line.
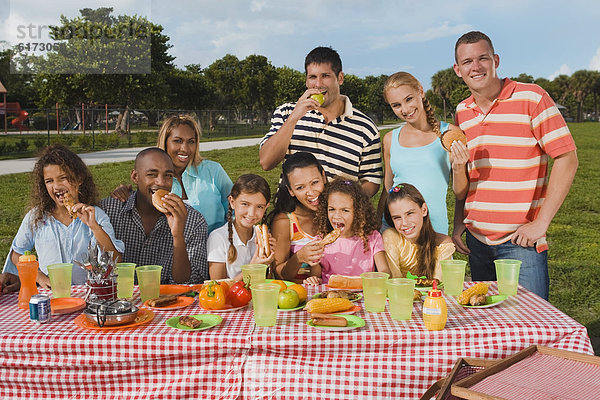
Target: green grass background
{"points": [[574, 235]]}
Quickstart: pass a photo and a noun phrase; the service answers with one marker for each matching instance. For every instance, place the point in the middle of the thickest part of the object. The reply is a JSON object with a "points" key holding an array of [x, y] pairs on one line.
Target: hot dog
{"points": [[190, 322], [345, 282], [163, 301], [262, 238], [328, 320]]}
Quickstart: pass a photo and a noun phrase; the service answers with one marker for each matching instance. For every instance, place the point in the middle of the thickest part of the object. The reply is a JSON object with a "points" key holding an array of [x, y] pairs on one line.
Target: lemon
{"points": [[319, 98]]}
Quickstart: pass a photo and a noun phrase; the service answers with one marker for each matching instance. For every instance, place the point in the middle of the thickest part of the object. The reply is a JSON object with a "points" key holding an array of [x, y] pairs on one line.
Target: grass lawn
{"points": [[574, 237]]}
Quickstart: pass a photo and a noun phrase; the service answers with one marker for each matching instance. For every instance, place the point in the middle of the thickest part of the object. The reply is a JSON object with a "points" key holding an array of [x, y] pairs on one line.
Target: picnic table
{"points": [[237, 360]]}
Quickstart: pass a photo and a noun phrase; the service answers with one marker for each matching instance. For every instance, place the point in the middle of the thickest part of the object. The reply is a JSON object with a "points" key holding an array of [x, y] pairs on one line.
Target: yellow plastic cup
{"points": [[60, 279], [254, 273], [507, 273], [149, 281], [125, 274], [264, 301], [453, 276], [400, 294], [374, 290]]}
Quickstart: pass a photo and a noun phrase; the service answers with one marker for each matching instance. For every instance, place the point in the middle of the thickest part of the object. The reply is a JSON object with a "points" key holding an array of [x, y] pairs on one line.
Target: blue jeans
{"points": [[534, 269]]}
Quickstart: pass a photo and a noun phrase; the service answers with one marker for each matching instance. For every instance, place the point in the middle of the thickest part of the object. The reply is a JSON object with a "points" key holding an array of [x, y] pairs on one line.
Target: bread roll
{"points": [[345, 282], [157, 201], [452, 135], [328, 320]]}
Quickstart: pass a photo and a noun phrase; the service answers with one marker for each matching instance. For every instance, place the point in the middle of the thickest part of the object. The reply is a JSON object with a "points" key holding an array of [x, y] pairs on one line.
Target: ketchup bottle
{"points": [[435, 312], [28, 269]]}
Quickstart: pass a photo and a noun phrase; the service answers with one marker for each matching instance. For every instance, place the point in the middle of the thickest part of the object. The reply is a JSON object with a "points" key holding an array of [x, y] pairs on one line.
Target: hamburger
{"points": [[157, 200], [452, 135]]}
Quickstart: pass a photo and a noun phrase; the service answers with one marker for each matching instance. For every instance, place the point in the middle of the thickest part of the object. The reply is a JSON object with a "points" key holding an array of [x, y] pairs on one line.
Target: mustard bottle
{"points": [[435, 312]]}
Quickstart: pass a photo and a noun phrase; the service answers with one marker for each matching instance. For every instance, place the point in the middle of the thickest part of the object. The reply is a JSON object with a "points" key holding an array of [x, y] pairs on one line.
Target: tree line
{"points": [[252, 87]]}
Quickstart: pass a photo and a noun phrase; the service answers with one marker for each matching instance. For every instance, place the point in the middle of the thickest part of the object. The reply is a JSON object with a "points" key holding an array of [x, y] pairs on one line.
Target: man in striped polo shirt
{"points": [[512, 129], [344, 140]]}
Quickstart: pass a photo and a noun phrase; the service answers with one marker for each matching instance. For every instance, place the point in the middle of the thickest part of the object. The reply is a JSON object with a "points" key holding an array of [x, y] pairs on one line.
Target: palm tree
{"points": [[443, 83]]}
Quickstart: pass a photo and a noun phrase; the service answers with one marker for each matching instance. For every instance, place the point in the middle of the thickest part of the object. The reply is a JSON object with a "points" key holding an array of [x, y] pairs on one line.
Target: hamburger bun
{"points": [[157, 201], [450, 136]]}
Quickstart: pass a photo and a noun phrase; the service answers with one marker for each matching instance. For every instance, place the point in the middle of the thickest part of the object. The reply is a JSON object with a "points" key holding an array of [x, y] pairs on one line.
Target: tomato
{"points": [[239, 295], [288, 299], [280, 283]]}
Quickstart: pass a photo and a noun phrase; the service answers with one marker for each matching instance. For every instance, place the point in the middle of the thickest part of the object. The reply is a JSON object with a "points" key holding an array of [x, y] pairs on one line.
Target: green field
{"points": [[574, 236]]}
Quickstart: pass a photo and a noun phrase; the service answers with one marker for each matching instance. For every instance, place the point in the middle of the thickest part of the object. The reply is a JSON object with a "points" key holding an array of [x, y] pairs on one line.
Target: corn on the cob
{"points": [[325, 306], [479, 288]]}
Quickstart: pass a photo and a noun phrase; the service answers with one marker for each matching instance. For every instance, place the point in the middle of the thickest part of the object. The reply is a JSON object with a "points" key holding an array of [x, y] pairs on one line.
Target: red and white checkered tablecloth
{"points": [[385, 359]]}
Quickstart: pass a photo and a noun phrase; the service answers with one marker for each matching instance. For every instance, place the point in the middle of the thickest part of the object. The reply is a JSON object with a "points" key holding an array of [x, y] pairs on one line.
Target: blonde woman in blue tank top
{"points": [[414, 154]]}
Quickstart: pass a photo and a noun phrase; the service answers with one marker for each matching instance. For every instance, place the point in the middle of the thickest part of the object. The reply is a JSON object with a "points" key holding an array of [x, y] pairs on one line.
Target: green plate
{"points": [[490, 301], [354, 322], [300, 307], [208, 321], [286, 282], [358, 296]]}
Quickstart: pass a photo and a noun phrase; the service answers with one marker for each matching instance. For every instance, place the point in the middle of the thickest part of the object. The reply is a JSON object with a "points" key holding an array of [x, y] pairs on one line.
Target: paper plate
{"points": [[337, 288], [354, 322], [144, 316], [174, 289], [66, 305], [299, 307], [227, 308], [182, 302], [359, 296], [208, 321], [490, 301]]}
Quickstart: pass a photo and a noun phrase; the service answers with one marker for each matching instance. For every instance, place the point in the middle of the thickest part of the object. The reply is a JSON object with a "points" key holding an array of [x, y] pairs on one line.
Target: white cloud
{"points": [[426, 35], [595, 62], [563, 70]]}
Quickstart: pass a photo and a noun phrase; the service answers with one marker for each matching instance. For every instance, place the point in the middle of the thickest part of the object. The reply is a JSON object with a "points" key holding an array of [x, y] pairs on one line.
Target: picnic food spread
{"points": [[157, 201]]}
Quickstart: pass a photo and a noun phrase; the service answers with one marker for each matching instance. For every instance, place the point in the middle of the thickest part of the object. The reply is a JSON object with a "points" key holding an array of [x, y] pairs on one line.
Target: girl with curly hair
{"points": [[235, 243], [63, 218], [346, 206], [413, 245]]}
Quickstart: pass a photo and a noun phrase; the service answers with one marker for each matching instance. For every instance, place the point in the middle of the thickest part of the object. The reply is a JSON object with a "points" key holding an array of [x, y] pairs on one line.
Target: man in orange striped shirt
{"points": [[512, 129]]}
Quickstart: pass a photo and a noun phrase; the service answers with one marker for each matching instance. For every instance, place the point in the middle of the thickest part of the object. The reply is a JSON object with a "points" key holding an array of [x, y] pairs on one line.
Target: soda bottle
{"points": [[435, 312], [28, 269]]}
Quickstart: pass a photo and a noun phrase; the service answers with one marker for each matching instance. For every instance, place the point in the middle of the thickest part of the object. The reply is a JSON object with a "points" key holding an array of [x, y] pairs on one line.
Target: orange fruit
{"points": [[280, 283], [301, 290]]}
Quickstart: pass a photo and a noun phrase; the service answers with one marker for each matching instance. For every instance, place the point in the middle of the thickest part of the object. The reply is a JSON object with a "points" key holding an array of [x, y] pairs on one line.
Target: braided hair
{"points": [[247, 183], [405, 79]]}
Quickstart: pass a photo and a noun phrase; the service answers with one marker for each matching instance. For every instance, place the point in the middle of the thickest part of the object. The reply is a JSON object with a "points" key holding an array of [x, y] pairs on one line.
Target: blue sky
{"points": [[540, 38]]}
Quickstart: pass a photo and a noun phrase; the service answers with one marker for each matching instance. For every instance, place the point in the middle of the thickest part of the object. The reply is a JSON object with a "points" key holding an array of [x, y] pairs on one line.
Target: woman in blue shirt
{"points": [[202, 184], [62, 220]]}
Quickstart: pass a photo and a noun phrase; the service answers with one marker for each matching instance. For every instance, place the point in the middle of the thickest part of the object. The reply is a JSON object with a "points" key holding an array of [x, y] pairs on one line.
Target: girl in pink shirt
{"points": [[359, 248]]}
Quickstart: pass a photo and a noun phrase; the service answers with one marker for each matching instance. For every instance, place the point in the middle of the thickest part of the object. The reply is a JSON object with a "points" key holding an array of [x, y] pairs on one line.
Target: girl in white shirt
{"points": [[234, 244]]}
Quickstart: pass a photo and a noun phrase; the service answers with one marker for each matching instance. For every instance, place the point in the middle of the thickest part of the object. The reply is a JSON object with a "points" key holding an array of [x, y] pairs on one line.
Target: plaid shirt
{"points": [[157, 248]]}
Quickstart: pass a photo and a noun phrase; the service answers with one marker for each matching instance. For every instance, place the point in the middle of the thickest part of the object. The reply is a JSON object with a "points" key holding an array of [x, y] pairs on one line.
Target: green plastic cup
{"points": [[400, 294], [60, 279], [125, 274], [374, 290], [264, 302], [507, 273], [453, 276], [149, 281], [254, 273]]}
